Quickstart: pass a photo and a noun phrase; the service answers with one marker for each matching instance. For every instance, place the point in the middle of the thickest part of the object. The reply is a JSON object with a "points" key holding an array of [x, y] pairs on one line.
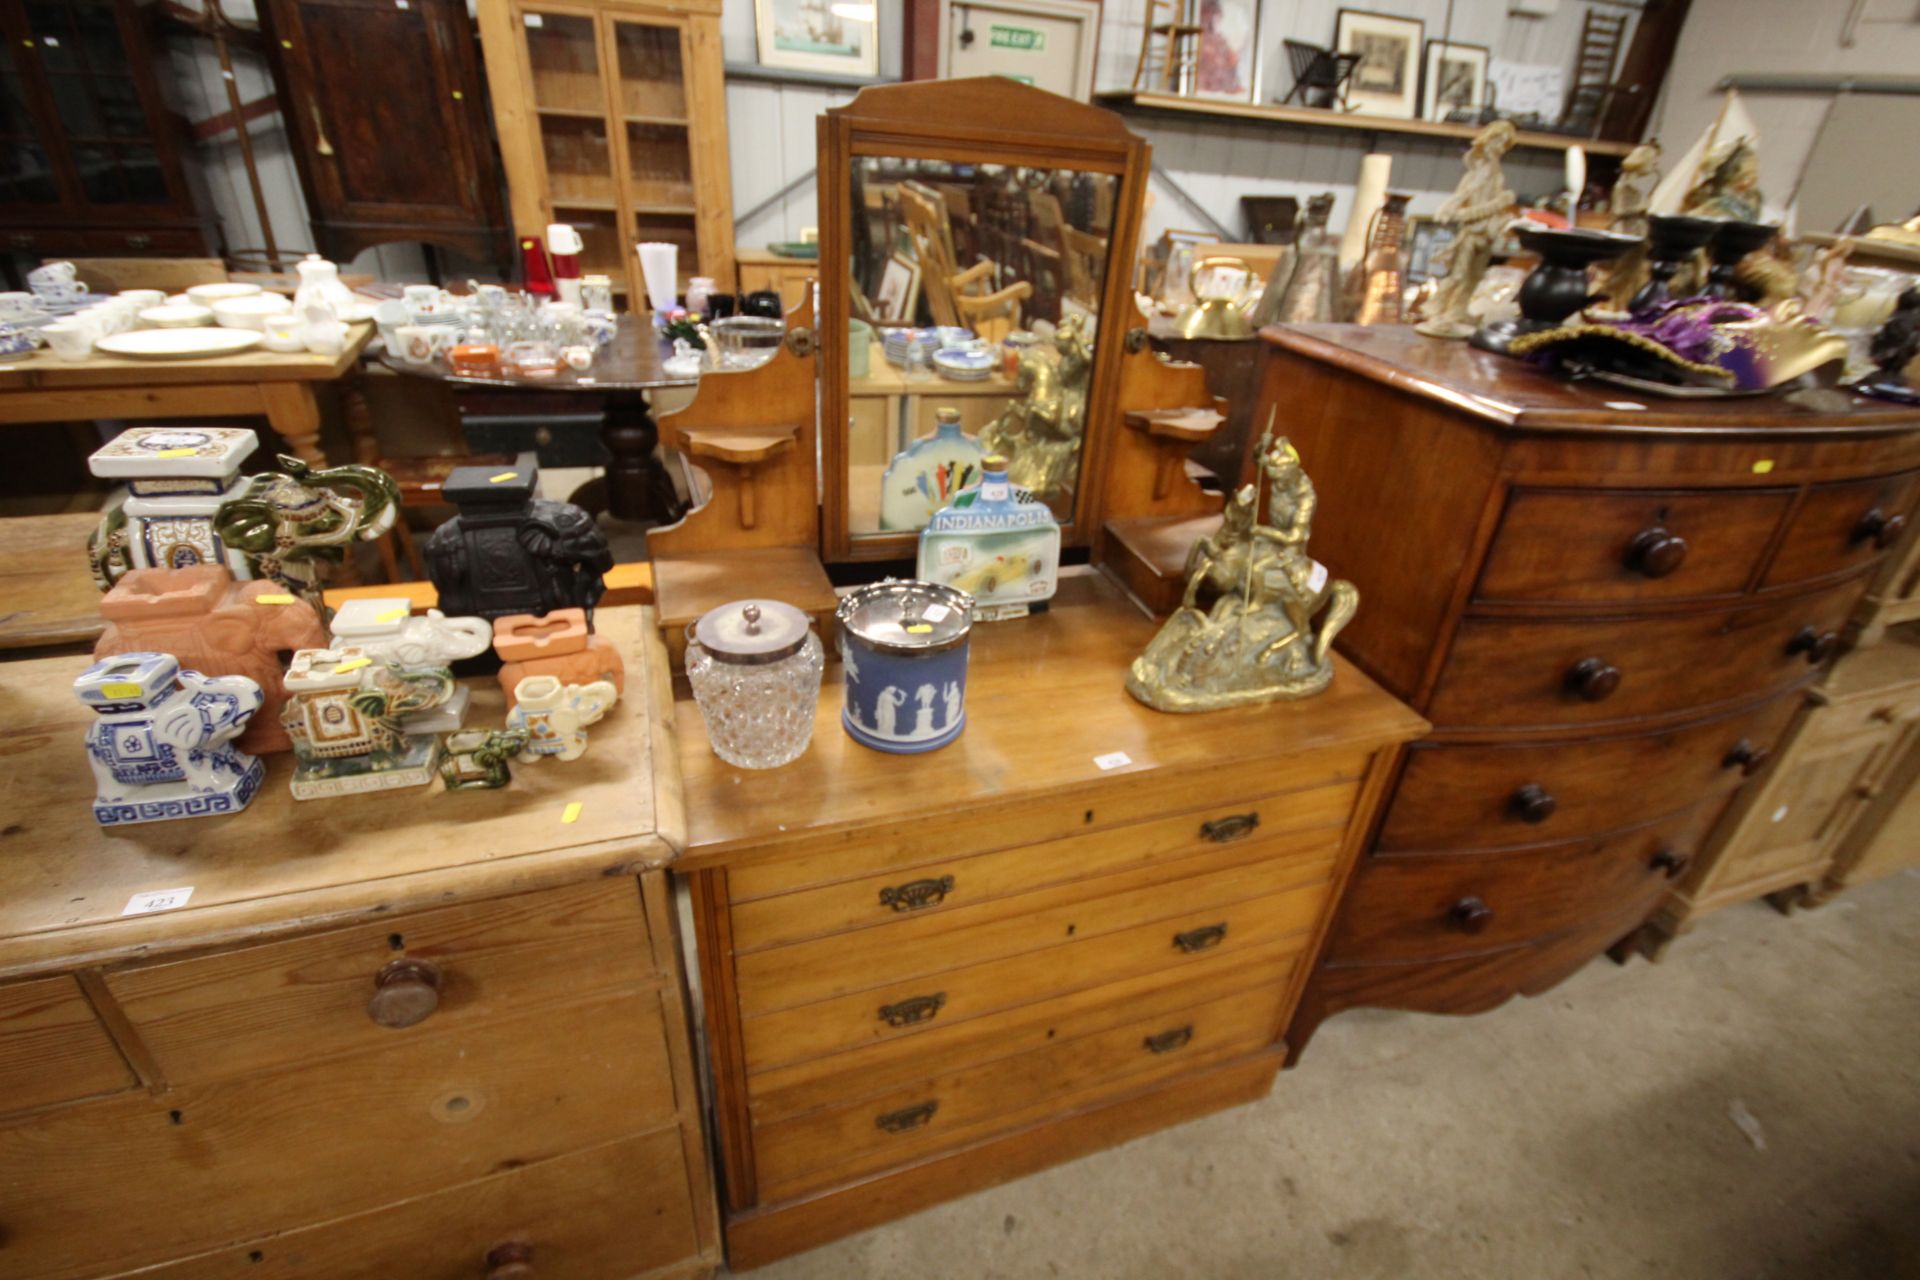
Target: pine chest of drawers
{"points": [[1081, 921], [1609, 606], [438, 1036]]}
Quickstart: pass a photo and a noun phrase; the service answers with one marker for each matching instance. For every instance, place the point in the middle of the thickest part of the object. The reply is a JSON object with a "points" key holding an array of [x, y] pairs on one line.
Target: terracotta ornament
{"points": [[555, 644], [1245, 632], [216, 626], [161, 743]]}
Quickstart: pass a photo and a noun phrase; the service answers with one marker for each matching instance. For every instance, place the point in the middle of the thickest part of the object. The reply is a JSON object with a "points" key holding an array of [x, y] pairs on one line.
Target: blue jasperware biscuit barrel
{"points": [[903, 646]]}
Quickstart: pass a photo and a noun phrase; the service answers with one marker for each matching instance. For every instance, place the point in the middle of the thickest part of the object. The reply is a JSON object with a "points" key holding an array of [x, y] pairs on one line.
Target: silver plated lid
{"points": [[909, 617], [752, 631]]}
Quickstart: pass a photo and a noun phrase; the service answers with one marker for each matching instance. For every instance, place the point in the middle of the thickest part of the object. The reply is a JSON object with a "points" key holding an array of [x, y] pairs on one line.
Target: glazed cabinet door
{"points": [[383, 99]]}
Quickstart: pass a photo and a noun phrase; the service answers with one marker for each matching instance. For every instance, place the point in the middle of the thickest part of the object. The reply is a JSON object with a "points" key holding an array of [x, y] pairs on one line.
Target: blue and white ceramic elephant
{"points": [[161, 742]]}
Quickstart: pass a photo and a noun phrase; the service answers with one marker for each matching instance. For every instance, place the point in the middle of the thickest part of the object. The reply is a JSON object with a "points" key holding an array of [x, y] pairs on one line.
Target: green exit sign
{"points": [[1017, 38]]}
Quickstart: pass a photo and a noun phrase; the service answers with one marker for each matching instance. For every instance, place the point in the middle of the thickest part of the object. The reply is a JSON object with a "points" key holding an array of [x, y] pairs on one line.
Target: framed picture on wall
{"points": [[1428, 243], [1455, 78], [818, 35], [1226, 64], [1386, 80], [899, 295]]}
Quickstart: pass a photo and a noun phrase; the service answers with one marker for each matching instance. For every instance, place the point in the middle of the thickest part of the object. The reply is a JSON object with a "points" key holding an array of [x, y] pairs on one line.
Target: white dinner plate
{"points": [[179, 344]]}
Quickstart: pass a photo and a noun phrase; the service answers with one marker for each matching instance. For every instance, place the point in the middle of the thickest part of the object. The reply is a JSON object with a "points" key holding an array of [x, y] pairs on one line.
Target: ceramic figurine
{"points": [[510, 552], [177, 478], [996, 543], [215, 626], [1477, 211], [161, 742], [294, 524], [1632, 199], [345, 712], [1039, 434], [1727, 184], [385, 628], [1314, 284], [1894, 349], [927, 474], [1245, 631], [903, 647], [555, 716], [476, 759], [557, 644]]}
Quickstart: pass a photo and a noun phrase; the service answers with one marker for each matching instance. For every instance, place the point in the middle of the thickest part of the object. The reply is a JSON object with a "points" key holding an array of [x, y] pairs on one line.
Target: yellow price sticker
{"points": [[919, 628], [391, 615], [354, 664], [121, 689], [174, 453], [278, 598], [571, 813], [1763, 466], [503, 477]]}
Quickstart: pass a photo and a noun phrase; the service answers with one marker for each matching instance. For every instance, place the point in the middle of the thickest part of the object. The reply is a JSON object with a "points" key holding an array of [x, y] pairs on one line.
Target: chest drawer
{"points": [[1531, 674], [909, 948], [238, 1012], [1623, 547], [1462, 797], [52, 1048], [140, 1178], [917, 1008], [905, 1123], [1416, 907], [1843, 526], [1255, 827], [615, 1210]]}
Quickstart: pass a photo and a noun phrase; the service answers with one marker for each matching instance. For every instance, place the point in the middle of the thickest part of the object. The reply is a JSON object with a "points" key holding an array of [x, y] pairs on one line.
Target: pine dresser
{"points": [[414, 1034], [1080, 921], [1610, 607]]}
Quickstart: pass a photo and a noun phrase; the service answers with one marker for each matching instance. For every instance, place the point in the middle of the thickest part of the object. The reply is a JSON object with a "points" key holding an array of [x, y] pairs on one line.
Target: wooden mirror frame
{"points": [[980, 120]]}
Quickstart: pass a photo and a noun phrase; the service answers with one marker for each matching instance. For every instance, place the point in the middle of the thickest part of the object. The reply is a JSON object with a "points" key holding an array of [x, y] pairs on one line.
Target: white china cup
{"points": [[420, 343], [56, 280], [71, 339], [142, 298], [284, 332]]}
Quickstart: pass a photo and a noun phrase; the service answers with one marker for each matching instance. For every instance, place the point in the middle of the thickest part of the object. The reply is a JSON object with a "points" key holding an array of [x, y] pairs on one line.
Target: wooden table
{"points": [[399, 1034], [47, 594], [278, 386]]}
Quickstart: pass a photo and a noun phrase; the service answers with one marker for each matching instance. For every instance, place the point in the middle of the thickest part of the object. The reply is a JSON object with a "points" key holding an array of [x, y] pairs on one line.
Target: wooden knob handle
{"points": [[510, 1260], [1533, 803], [1656, 552], [1747, 758], [1672, 862], [1880, 528], [1470, 915], [1818, 646], [1593, 679], [405, 992]]}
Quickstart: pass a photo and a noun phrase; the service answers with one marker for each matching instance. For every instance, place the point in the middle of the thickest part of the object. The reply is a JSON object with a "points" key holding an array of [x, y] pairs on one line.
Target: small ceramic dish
{"points": [[208, 294], [251, 311], [183, 315], [964, 364]]}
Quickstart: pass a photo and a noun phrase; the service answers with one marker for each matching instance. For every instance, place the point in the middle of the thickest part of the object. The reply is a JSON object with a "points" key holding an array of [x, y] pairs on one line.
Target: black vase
{"points": [[1557, 288], [1672, 240], [1735, 241]]}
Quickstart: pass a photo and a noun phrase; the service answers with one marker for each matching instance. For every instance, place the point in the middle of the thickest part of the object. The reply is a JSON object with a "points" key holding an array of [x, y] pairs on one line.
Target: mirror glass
{"points": [[975, 308]]}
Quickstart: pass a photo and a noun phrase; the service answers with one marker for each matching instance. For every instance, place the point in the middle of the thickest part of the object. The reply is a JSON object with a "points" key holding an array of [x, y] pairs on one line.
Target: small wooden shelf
{"points": [[673, 122], [572, 113], [598, 204], [1322, 118], [671, 210]]}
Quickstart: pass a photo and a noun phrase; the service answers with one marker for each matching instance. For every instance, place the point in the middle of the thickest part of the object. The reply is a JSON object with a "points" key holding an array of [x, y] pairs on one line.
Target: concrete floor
{"points": [[1589, 1133]]}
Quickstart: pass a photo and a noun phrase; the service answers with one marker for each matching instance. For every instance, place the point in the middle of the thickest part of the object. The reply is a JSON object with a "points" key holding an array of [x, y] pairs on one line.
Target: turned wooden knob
{"points": [[404, 993], [1470, 915], [1656, 552], [1883, 530], [1747, 758], [1593, 679], [1672, 862], [1533, 803], [511, 1260], [1816, 645]]}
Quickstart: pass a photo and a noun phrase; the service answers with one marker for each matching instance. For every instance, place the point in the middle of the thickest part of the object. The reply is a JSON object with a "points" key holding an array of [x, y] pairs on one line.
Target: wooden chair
{"points": [[1319, 75], [110, 275], [993, 315], [1085, 260], [1182, 48]]}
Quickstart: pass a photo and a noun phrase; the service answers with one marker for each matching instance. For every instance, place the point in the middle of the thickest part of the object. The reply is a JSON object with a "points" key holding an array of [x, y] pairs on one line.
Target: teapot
{"points": [[1221, 286]]}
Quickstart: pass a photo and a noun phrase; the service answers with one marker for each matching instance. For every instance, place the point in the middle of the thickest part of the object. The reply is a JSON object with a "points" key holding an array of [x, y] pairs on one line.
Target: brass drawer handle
{"points": [[916, 894], [1200, 939], [907, 1117], [1237, 826], [1168, 1041], [912, 1010], [405, 992]]}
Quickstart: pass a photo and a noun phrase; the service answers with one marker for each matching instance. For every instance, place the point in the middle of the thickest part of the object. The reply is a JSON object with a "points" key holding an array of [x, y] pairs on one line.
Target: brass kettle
{"points": [[1220, 311]]}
